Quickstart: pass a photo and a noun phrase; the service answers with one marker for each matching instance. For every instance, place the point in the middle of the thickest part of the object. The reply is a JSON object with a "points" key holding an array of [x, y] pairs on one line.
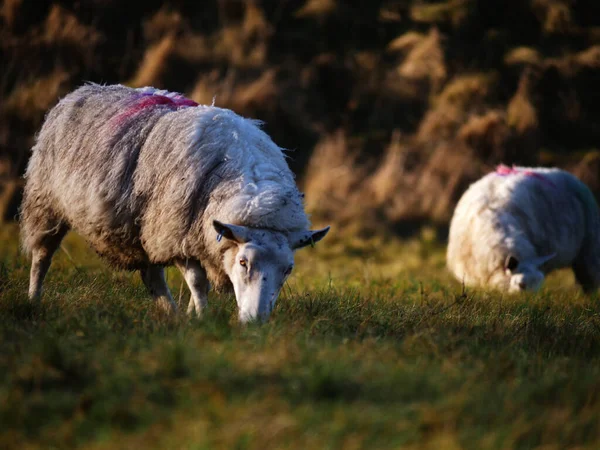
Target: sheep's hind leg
{"points": [[195, 277], [41, 258], [587, 274], [154, 278]]}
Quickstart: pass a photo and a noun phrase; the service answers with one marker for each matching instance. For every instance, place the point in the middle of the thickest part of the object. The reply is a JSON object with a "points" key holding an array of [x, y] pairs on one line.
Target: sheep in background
{"points": [[516, 224], [150, 179]]}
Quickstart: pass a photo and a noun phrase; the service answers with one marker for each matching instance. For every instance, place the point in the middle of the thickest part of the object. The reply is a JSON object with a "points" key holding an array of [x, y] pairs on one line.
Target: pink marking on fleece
{"points": [[503, 170], [151, 100], [182, 101]]}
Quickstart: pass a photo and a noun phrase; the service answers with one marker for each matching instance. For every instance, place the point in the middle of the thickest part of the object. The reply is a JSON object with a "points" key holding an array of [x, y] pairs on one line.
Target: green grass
{"points": [[371, 345]]}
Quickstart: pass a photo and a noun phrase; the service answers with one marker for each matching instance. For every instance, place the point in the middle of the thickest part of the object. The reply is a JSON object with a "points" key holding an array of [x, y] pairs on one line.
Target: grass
{"points": [[371, 345]]}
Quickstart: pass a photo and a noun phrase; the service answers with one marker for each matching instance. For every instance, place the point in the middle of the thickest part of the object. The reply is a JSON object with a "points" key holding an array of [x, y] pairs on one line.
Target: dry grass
{"points": [[244, 45], [317, 8], [31, 99], [589, 58], [488, 134], [406, 42], [521, 113], [419, 178], [154, 64], [63, 27], [459, 98], [466, 91], [241, 45], [426, 61], [523, 56], [395, 166], [444, 178], [331, 179], [555, 15], [430, 191], [403, 186], [440, 124], [241, 96], [451, 11], [163, 23], [9, 11]]}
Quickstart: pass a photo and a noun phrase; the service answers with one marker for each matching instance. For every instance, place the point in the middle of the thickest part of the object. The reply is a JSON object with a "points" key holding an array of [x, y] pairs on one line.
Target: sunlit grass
{"points": [[372, 345]]}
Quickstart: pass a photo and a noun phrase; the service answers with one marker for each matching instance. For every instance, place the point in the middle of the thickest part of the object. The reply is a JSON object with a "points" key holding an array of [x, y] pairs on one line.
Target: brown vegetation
{"points": [[390, 108]]}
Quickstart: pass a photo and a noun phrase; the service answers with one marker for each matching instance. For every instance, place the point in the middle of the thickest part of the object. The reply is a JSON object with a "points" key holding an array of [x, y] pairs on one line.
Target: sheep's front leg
{"points": [[154, 279], [40, 264], [195, 277]]}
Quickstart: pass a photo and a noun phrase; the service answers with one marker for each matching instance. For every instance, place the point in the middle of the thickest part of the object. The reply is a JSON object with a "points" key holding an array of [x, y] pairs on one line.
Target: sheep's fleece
{"points": [[544, 218], [142, 173]]}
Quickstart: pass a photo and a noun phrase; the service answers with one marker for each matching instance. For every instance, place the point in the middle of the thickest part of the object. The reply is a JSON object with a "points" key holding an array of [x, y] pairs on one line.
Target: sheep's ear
{"points": [[301, 239], [511, 263], [537, 262], [234, 233]]}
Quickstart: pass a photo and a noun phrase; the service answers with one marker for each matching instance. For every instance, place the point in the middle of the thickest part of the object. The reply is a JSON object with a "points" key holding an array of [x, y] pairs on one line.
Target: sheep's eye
{"points": [[243, 262]]}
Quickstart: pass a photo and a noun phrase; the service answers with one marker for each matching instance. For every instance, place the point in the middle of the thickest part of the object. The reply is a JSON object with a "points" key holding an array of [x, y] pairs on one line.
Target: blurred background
{"points": [[389, 108]]}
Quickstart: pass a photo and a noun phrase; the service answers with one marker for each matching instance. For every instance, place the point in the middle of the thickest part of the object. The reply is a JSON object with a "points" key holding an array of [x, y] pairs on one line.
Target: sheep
{"points": [[150, 179], [517, 224]]}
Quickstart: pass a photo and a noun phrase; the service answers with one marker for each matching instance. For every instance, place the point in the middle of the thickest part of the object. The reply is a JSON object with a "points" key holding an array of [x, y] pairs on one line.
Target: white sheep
{"points": [[517, 224], [151, 179]]}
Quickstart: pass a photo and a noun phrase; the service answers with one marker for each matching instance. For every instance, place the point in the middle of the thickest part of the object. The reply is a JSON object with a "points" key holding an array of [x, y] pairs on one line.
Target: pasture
{"points": [[371, 345]]}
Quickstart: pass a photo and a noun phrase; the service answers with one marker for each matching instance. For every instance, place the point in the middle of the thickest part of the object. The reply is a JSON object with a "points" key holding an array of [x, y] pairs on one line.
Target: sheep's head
{"points": [[258, 263], [524, 275]]}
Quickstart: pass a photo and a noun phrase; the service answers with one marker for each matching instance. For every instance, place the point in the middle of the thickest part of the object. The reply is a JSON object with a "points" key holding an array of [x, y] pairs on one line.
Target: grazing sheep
{"points": [[516, 224], [150, 179]]}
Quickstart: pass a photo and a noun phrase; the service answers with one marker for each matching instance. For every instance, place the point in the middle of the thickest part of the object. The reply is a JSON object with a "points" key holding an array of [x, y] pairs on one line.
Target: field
{"points": [[390, 109], [371, 345]]}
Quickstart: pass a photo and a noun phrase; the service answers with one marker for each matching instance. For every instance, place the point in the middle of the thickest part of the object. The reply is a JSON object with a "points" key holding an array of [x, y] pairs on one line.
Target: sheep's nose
{"points": [[522, 285]]}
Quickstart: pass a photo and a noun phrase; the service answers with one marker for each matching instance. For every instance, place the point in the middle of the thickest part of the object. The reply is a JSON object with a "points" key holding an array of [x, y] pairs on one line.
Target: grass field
{"points": [[371, 345]]}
